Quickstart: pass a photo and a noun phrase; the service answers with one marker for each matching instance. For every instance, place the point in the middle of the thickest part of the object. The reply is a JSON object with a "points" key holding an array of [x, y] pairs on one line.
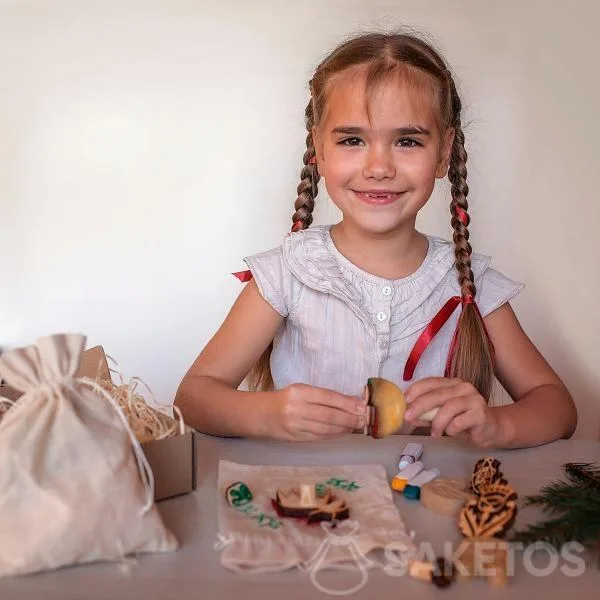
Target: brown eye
{"points": [[408, 143], [353, 141]]}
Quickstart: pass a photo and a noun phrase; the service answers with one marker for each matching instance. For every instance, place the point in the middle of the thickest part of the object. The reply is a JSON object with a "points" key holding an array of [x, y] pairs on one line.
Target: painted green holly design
{"points": [[343, 484], [240, 497], [351, 486], [267, 521], [260, 517]]}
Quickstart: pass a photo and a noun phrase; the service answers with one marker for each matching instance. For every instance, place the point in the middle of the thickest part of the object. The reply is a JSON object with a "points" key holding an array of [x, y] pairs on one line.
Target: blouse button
{"points": [[381, 316], [386, 290]]}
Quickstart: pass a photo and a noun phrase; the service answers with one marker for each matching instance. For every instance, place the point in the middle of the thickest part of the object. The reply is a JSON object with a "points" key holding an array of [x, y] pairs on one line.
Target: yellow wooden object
{"points": [[390, 405]]}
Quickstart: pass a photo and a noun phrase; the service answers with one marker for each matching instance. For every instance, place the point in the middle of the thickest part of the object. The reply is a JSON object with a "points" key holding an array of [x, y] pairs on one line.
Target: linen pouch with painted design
{"points": [[254, 538]]}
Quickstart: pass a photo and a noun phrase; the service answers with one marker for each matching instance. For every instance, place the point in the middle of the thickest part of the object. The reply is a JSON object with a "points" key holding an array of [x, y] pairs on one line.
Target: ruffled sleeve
{"points": [[270, 275], [495, 289]]}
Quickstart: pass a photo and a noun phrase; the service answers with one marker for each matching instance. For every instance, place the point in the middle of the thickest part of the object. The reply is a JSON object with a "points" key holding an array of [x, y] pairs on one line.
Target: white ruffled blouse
{"points": [[343, 325]]}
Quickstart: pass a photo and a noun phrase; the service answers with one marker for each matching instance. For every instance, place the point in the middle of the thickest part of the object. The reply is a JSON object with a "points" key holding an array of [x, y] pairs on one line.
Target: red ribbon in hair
{"points": [[432, 329], [462, 215]]}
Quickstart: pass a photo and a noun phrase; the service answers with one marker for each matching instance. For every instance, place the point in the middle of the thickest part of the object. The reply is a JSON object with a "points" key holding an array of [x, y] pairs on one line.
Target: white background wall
{"points": [[147, 146]]}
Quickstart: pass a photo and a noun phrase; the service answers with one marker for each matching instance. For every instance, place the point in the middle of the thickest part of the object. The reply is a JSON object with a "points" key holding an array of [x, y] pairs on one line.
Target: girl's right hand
{"points": [[302, 413]]}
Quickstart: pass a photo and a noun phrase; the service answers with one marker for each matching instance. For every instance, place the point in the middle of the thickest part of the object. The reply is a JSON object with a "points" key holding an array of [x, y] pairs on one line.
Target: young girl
{"points": [[371, 296]]}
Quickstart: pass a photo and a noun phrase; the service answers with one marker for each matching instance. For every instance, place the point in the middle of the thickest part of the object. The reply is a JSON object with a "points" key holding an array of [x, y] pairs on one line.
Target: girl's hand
{"points": [[462, 410], [302, 412]]}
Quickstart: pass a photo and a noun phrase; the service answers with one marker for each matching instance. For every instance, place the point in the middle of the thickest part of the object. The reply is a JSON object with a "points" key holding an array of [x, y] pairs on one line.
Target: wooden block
{"points": [[444, 496], [308, 495], [420, 570], [483, 557]]}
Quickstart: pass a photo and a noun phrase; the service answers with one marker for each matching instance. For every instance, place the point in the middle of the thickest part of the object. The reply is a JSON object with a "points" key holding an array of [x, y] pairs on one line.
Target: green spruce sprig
{"points": [[585, 473], [574, 508]]}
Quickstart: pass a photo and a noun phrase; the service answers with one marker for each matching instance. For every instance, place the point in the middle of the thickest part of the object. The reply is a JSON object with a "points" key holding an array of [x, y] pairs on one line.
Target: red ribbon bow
{"points": [[243, 276], [431, 331]]}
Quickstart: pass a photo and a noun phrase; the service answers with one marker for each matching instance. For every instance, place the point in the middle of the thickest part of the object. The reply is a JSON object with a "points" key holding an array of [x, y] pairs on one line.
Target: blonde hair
{"points": [[420, 65]]}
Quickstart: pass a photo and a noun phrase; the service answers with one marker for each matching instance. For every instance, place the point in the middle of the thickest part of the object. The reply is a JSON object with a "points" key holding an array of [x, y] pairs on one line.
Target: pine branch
{"points": [[574, 506], [556, 532], [562, 497], [584, 473], [583, 526]]}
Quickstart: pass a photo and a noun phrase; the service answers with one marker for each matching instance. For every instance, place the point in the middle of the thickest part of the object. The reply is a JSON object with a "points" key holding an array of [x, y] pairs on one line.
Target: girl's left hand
{"points": [[462, 410]]}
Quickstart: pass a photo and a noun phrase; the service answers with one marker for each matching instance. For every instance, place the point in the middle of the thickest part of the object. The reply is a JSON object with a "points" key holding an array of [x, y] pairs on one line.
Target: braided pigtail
{"points": [[260, 377], [309, 179], [471, 353]]}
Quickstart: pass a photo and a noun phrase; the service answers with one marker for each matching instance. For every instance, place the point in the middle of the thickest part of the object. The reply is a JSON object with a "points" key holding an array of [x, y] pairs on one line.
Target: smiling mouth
{"points": [[377, 197]]}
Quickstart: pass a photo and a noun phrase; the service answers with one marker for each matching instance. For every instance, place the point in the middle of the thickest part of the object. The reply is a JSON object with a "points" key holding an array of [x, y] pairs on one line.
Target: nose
{"points": [[379, 164]]}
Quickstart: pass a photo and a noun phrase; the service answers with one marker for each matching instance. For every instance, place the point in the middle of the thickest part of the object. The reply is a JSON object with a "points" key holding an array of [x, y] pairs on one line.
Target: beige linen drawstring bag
{"points": [[70, 467]]}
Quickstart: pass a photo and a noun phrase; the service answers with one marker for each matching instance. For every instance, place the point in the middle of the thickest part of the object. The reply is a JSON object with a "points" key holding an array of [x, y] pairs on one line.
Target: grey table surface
{"points": [[194, 571]]}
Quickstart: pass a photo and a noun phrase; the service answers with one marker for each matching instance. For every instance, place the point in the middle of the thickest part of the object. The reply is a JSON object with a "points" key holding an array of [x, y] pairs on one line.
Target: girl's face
{"points": [[380, 171]]}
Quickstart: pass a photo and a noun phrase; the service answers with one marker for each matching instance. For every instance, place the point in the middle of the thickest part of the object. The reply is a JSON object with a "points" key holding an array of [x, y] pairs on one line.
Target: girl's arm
{"points": [[543, 410], [210, 401], [208, 395]]}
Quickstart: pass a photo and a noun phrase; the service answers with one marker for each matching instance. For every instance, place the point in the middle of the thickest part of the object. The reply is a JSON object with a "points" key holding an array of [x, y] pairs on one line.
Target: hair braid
{"points": [[309, 178], [457, 174], [472, 359]]}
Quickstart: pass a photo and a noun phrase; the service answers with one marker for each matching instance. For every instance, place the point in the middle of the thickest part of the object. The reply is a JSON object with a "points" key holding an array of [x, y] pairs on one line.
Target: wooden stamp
{"points": [[483, 521], [305, 502]]}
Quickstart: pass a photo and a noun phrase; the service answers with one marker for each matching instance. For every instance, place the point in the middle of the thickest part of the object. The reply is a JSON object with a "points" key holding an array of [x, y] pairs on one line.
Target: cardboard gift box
{"points": [[172, 459]]}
